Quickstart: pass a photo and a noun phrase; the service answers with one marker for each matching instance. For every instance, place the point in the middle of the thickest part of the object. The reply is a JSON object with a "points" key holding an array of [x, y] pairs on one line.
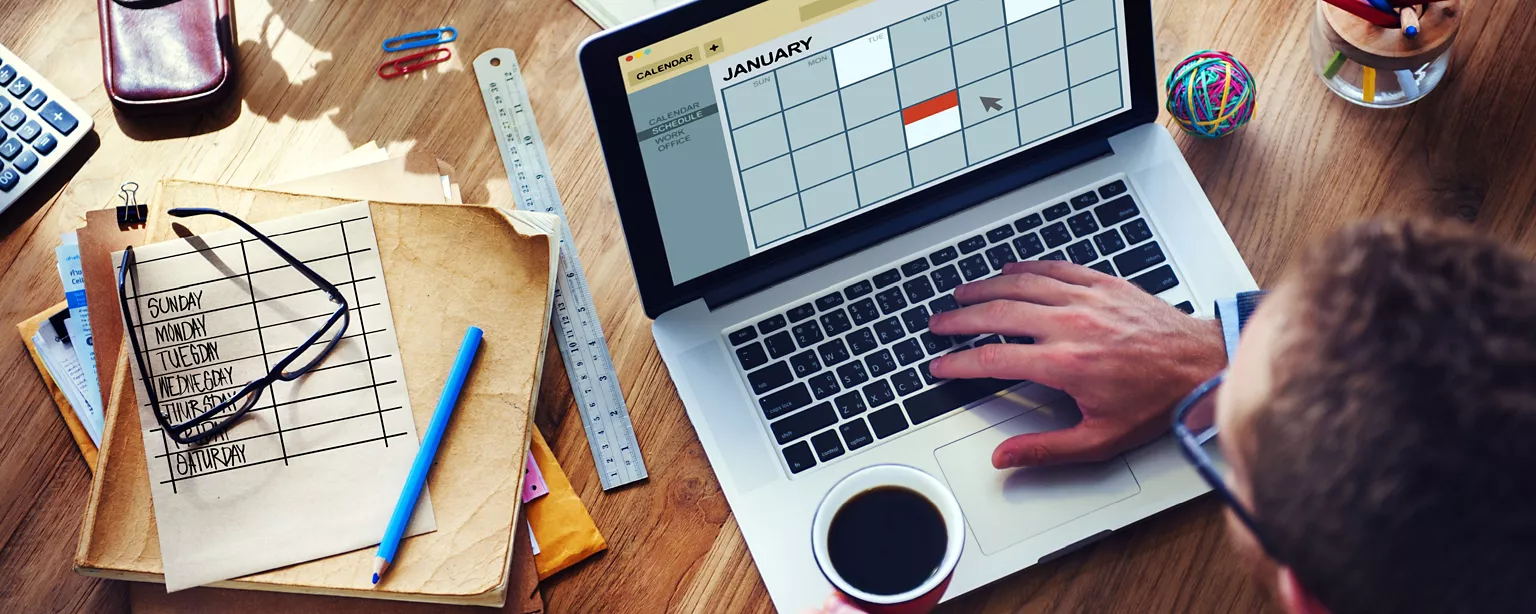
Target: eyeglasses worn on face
{"points": [[1194, 425], [217, 419]]}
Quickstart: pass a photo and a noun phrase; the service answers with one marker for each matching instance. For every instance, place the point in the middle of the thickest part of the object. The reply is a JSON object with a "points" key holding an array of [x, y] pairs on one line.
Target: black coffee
{"points": [[887, 540]]}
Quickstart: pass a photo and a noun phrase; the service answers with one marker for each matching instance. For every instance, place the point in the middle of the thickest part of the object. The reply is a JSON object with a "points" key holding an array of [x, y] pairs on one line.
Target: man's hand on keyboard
{"points": [[1124, 355]]}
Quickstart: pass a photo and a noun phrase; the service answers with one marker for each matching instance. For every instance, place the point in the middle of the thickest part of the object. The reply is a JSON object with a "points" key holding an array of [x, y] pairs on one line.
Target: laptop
{"points": [[803, 182]]}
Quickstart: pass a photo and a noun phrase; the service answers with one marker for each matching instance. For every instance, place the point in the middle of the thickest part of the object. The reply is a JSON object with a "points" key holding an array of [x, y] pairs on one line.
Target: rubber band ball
{"points": [[1211, 94]]}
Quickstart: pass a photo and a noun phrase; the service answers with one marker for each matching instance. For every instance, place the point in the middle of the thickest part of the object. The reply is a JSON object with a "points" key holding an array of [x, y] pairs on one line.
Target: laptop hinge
{"points": [[1075, 546], [966, 195]]}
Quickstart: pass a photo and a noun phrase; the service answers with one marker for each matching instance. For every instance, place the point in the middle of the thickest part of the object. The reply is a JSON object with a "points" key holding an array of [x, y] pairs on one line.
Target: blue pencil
{"points": [[425, 454]]}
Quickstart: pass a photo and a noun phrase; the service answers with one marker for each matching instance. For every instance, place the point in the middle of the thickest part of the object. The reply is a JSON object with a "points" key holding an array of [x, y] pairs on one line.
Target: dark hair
{"points": [[1395, 466]]}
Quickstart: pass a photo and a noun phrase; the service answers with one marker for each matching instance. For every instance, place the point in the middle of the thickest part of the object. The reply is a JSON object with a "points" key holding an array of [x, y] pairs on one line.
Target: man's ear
{"points": [[1294, 597]]}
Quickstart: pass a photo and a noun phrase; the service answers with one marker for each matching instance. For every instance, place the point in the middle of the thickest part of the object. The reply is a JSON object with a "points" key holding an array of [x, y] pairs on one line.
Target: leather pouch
{"points": [[167, 55]]}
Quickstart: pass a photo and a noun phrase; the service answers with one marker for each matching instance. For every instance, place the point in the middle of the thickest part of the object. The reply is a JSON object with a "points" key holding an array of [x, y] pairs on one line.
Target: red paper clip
{"points": [[414, 62]]}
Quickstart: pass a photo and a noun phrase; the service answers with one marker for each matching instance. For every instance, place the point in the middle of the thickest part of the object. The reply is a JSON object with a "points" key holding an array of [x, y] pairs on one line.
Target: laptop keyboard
{"points": [[847, 368]]}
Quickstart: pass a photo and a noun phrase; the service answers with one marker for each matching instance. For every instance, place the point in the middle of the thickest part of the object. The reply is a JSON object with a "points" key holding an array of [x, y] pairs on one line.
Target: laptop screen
{"points": [[784, 118]]}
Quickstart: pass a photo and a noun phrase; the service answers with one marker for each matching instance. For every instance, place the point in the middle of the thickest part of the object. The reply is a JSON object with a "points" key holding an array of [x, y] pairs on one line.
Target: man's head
{"points": [[1380, 420]]}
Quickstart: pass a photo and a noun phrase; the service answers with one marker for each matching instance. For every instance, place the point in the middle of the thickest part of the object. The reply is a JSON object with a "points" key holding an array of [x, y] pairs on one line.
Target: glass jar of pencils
{"points": [[1384, 59]]}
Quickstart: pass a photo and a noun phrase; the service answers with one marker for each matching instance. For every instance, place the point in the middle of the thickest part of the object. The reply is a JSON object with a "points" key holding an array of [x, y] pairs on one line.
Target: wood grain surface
{"points": [[308, 94]]}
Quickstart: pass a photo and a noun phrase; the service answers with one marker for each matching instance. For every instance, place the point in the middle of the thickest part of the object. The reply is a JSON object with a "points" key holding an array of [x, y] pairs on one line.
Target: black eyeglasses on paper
{"points": [[217, 419]]}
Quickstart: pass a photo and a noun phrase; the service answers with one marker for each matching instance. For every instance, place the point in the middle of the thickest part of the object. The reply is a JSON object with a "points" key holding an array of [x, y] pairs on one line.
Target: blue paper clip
{"points": [[424, 38]]}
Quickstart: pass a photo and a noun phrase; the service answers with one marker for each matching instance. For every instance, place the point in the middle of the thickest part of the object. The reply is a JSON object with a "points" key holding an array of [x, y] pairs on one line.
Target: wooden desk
{"points": [[1309, 163]]}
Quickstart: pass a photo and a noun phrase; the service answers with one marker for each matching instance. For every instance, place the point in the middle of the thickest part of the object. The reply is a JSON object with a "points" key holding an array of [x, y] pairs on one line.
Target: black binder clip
{"points": [[131, 213]]}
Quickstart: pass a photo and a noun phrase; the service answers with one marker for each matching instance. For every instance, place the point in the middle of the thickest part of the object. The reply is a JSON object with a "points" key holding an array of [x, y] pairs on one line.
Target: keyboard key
{"points": [[863, 312], [829, 301], [1056, 235], [1157, 281], [57, 117], [8, 180], [1137, 231], [13, 118], [1084, 200], [906, 382], [836, 323], [1082, 224], [889, 331], [771, 324], [1082, 252], [1057, 211], [1116, 211], [918, 289], [10, 148], [832, 352], [1103, 266], [805, 363], [801, 312], [803, 423], [20, 87], [29, 131], [935, 343], [859, 289], [799, 457], [914, 267], [785, 401], [742, 336], [1186, 307], [923, 370], [5, 104], [856, 433], [890, 301], [988, 340], [827, 445], [862, 341], [999, 233], [772, 376], [1115, 188], [972, 244], [823, 385], [888, 421], [944, 255], [850, 404], [780, 345], [7, 73], [751, 356], [974, 267], [887, 278], [1138, 259], [880, 363], [1028, 222], [1029, 246], [1056, 255], [946, 278], [1020, 340], [916, 319], [908, 351], [1000, 255], [878, 393], [951, 395], [943, 304], [1109, 241], [852, 374], [35, 99], [26, 161], [807, 334]]}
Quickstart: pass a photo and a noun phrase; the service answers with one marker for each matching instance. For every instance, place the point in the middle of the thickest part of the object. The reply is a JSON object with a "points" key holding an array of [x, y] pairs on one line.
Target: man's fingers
{"points": [[1012, 318], [1059, 270], [999, 361], [1037, 289], [1079, 444]]}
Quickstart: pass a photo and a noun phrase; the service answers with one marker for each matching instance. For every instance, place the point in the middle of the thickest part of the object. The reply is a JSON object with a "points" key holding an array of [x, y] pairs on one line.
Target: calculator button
{"points": [[29, 131], [5, 104], [10, 148], [6, 74], [26, 161], [35, 99], [13, 118], [60, 119], [20, 87], [8, 180]]}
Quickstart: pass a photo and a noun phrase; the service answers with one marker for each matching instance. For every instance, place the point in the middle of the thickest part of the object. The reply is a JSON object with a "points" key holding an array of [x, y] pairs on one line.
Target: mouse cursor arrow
{"points": [[991, 104]]}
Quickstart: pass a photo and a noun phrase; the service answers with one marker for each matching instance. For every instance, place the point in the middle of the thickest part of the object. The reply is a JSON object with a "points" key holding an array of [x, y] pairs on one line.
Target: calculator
{"points": [[38, 125]]}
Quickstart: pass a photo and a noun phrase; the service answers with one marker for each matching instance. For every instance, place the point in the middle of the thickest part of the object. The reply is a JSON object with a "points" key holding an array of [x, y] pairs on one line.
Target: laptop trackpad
{"points": [[1004, 508]]}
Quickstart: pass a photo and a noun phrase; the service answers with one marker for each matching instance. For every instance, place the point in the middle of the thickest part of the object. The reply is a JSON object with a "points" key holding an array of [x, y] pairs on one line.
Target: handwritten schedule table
{"points": [[313, 468]]}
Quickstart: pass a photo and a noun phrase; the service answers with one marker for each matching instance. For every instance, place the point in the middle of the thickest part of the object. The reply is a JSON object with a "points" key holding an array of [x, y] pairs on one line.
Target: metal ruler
{"points": [[582, 346]]}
